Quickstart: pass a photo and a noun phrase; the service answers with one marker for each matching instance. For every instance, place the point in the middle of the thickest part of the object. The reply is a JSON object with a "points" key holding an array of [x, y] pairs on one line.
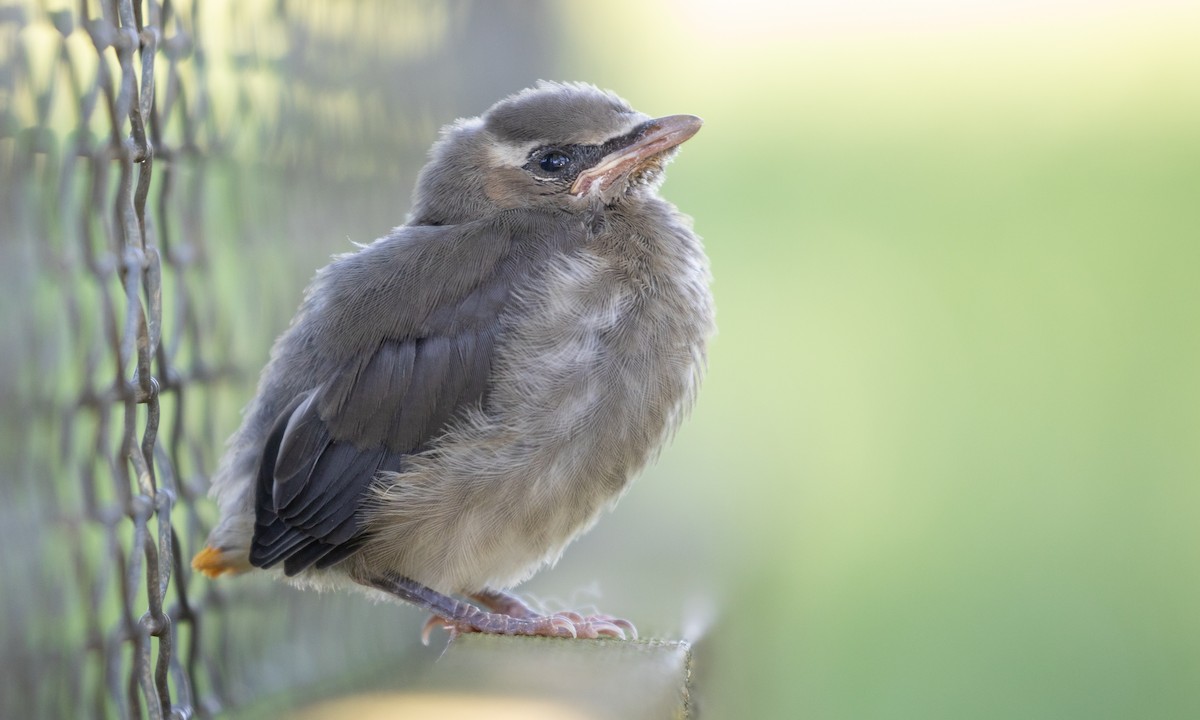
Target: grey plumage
{"points": [[457, 401]]}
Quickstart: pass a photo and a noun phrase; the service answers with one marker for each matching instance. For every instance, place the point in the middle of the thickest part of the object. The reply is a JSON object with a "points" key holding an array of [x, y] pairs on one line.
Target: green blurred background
{"points": [[947, 458], [946, 462]]}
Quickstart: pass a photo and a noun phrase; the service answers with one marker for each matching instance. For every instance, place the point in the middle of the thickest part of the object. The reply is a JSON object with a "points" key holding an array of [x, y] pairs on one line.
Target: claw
{"points": [[627, 626], [435, 621], [603, 628], [564, 625], [617, 627]]}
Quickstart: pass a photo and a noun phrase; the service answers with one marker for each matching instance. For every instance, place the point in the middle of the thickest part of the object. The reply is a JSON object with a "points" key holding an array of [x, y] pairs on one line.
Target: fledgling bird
{"points": [[458, 400]]}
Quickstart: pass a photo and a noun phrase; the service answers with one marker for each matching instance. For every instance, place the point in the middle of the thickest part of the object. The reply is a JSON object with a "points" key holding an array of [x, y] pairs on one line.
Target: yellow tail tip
{"points": [[213, 563]]}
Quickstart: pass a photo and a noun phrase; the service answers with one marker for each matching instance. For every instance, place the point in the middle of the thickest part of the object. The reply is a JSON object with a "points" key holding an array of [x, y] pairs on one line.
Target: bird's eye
{"points": [[554, 161]]}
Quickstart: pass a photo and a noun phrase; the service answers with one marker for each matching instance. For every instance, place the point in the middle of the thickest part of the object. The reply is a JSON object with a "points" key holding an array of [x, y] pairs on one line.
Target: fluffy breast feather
{"points": [[599, 361]]}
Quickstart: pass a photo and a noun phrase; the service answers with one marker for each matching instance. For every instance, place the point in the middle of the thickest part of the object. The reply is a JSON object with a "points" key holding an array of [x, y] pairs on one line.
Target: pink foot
{"points": [[563, 624], [509, 616]]}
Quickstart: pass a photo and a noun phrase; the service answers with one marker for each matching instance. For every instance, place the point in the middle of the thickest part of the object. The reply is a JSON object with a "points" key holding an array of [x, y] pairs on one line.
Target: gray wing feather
{"points": [[403, 334]]}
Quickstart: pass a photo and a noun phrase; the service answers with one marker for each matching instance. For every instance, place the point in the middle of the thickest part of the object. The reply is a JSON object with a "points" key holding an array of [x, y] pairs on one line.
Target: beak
{"points": [[656, 137]]}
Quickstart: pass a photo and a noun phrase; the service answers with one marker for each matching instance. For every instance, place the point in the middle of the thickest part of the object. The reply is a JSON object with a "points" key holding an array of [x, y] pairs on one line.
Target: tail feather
{"points": [[215, 562]]}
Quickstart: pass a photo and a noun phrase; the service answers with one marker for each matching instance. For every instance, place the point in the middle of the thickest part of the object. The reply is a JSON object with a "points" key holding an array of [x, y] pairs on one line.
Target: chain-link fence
{"points": [[170, 175]]}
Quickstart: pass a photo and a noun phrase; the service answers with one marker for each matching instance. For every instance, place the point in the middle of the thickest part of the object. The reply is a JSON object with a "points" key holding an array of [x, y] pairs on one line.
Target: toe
{"points": [[561, 625], [434, 621], [604, 628]]}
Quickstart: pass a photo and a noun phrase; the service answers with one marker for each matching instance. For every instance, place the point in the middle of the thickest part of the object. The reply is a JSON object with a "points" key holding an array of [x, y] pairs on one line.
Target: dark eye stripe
{"points": [[561, 163]]}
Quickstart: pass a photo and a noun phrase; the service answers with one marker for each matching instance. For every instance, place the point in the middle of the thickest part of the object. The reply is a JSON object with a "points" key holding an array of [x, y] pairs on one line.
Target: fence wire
{"points": [[167, 170], [89, 95]]}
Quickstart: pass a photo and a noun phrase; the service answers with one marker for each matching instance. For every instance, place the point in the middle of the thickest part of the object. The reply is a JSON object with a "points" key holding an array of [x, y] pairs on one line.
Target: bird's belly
{"points": [[597, 424], [590, 379], [589, 387]]}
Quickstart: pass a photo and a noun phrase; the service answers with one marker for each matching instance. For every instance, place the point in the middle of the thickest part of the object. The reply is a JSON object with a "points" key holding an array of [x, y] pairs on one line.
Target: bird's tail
{"points": [[215, 562]]}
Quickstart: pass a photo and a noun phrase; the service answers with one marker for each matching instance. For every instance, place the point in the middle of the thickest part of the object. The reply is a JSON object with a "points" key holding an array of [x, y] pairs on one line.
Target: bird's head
{"points": [[556, 145]]}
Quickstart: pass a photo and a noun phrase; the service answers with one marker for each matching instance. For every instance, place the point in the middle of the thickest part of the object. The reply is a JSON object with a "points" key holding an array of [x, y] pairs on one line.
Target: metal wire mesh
{"points": [[159, 162], [94, 120]]}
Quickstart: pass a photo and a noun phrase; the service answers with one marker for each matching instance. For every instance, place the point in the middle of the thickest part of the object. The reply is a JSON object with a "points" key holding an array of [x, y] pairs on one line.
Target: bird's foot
{"points": [[585, 626], [563, 624], [509, 616]]}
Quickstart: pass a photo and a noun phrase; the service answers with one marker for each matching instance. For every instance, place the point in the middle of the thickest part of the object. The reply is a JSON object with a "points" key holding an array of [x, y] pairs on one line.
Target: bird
{"points": [[455, 402]]}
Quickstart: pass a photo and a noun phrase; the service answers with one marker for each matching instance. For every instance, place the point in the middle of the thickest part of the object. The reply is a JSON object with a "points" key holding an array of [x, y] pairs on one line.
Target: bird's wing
{"points": [[406, 329], [324, 452]]}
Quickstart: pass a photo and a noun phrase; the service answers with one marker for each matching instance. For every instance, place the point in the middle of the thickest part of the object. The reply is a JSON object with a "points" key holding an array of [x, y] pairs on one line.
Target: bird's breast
{"points": [[598, 358], [602, 356]]}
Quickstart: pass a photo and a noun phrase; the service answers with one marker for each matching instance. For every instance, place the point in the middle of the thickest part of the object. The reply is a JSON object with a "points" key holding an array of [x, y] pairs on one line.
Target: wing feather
{"points": [[399, 356]]}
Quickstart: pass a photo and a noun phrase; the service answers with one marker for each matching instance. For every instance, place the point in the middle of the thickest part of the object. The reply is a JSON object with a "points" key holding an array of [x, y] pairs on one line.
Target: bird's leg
{"points": [[501, 602], [457, 616]]}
